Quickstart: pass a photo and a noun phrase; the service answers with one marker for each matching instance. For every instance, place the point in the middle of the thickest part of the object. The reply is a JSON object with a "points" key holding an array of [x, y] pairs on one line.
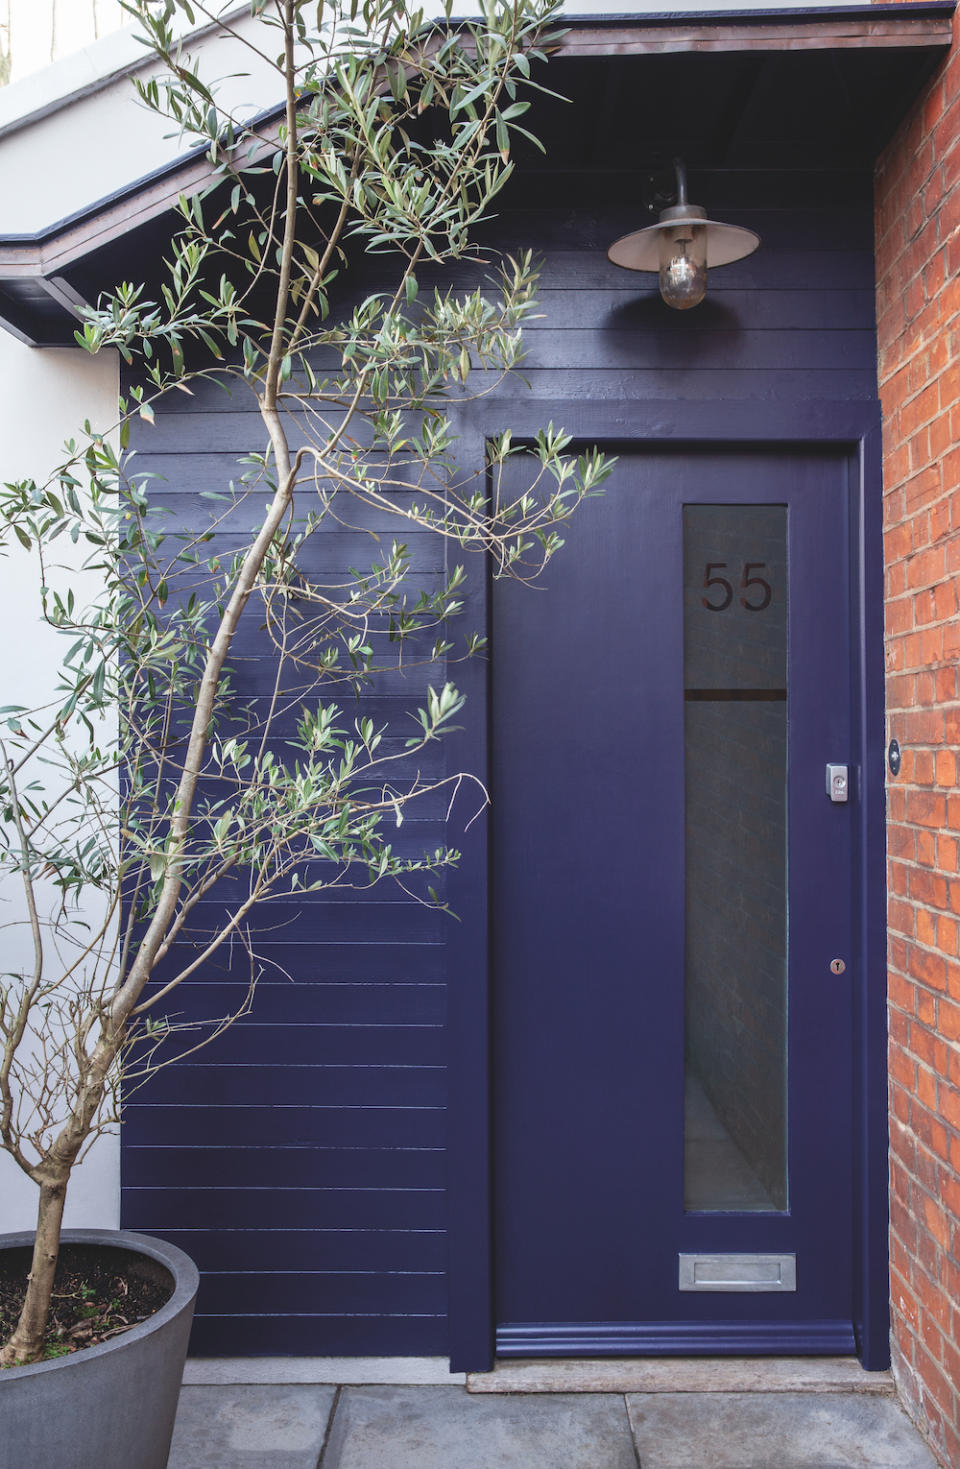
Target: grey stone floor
{"points": [[312, 1427]]}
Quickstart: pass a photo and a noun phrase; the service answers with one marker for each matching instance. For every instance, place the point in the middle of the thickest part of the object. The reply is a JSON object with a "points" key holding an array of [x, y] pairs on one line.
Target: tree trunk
{"points": [[26, 1343]]}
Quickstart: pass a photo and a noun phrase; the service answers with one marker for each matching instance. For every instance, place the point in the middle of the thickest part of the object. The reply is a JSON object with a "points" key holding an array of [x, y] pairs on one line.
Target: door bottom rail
{"points": [[676, 1339]]}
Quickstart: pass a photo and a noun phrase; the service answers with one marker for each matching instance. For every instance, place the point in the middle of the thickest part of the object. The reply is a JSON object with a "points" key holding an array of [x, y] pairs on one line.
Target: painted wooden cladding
{"points": [[301, 1158]]}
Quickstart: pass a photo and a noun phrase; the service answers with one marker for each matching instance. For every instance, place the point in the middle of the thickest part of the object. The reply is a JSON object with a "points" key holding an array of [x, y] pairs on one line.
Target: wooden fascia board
{"points": [[639, 39]]}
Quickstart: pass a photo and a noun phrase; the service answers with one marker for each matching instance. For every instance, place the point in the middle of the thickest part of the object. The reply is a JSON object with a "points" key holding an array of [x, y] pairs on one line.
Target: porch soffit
{"points": [[875, 58]]}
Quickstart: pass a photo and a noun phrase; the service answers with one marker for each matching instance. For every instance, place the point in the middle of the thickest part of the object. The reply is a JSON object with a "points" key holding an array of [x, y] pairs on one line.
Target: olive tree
{"points": [[150, 783]]}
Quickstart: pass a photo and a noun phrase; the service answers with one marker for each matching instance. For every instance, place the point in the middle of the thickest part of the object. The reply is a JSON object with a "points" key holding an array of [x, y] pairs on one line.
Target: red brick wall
{"points": [[918, 306]]}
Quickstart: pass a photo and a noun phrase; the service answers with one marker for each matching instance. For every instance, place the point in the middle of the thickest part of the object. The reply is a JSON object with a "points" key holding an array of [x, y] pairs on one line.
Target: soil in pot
{"points": [[98, 1293]]}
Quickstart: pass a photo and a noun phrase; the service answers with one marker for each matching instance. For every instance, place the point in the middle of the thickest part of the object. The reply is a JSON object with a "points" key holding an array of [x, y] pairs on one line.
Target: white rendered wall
{"points": [[78, 114], [81, 117], [44, 398]]}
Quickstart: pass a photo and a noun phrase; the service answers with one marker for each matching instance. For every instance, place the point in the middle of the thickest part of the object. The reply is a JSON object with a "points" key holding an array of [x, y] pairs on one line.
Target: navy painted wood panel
{"points": [[314, 1144]]}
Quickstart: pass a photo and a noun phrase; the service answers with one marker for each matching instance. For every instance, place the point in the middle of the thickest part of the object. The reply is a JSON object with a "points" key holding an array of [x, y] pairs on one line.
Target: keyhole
{"points": [[837, 965]]}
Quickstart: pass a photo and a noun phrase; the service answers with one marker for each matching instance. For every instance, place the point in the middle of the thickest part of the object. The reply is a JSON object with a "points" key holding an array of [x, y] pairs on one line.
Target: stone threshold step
{"points": [[681, 1374], [320, 1371]]}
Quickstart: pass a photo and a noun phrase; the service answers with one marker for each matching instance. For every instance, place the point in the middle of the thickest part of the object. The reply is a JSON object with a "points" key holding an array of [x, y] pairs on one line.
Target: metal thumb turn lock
{"points": [[838, 782]]}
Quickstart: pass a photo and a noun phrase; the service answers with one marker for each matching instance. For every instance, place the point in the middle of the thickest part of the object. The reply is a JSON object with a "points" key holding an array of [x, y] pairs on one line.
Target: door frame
{"points": [[850, 426]]}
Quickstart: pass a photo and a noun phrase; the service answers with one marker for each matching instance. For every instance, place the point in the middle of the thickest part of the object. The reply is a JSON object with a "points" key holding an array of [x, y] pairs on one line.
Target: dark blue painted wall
{"points": [[301, 1159]]}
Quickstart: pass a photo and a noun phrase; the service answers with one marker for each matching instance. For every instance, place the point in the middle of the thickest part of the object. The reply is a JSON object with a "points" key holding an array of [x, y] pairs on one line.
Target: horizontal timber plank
{"points": [[403, 921], [290, 1166], [810, 230], [302, 1002], [269, 1086], [699, 349], [154, 1209], [306, 1249], [220, 1125], [324, 1291], [784, 268], [249, 1042], [226, 432], [324, 1336], [672, 384], [361, 963]]}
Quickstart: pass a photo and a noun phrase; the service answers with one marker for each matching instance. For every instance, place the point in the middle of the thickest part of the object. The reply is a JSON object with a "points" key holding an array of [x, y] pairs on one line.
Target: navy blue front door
{"points": [[672, 907]]}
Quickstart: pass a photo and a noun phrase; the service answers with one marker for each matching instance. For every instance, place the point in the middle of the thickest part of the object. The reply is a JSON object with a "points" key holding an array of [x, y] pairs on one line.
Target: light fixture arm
{"points": [[680, 170]]}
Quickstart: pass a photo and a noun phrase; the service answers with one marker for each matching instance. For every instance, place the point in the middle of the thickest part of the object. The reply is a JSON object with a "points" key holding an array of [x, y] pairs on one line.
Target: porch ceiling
{"points": [[798, 89]]}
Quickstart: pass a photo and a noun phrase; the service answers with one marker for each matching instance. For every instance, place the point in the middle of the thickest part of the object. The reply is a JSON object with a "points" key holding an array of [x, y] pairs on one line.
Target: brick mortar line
{"points": [[924, 1188], [932, 460], [910, 516], [929, 989], [928, 1192], [951, 1128], [921, 786], [945, 994], [912, 188], [908, 247], [908, 558], [898, 347], [892, 1005], [934, 1284], [898, 292], [908, 1127], [886, 372], [916, 1336], [902, 364], [901, 1048], [893, 636], [919, 943]]}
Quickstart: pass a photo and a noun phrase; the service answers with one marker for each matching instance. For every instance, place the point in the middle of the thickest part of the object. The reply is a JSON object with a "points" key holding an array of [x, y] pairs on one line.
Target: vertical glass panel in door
{"points": [[735, 764]]}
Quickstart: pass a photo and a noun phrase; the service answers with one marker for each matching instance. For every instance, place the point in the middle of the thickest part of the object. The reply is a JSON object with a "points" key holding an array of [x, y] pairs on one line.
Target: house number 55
{"points": [[755, 591]]}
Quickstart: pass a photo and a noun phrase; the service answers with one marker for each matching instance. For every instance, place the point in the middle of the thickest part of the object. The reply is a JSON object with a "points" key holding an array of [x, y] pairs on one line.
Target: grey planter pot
{"points": [[111, 1406]]}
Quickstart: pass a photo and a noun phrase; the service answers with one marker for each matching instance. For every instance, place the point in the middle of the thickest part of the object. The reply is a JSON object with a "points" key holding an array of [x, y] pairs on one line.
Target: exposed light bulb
{"points": [[683, 267]]}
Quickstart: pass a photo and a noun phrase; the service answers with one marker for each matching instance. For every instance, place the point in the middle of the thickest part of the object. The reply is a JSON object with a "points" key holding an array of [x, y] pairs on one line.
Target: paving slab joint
{"points": [[326, 1437]]}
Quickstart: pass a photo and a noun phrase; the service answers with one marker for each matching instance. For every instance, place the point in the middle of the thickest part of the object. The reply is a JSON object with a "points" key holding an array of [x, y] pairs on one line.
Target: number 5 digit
{"points": [[717, 581], [749, 581]]}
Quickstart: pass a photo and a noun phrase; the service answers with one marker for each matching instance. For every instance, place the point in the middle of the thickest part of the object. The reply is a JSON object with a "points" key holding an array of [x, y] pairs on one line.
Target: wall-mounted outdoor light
{"points": [[682, 246]]}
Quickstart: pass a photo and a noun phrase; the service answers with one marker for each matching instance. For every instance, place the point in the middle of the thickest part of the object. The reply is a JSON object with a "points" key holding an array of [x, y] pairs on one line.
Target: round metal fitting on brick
{"points": [[837, 966]]}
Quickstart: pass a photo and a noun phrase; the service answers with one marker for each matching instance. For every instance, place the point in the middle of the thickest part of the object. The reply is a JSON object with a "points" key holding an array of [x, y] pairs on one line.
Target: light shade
{"points": [[725, 242]]}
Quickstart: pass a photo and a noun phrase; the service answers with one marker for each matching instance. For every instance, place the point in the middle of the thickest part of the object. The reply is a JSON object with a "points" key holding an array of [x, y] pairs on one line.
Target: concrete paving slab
{"points": [[445, 1428], [250, 1427], [779, 1431]]}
